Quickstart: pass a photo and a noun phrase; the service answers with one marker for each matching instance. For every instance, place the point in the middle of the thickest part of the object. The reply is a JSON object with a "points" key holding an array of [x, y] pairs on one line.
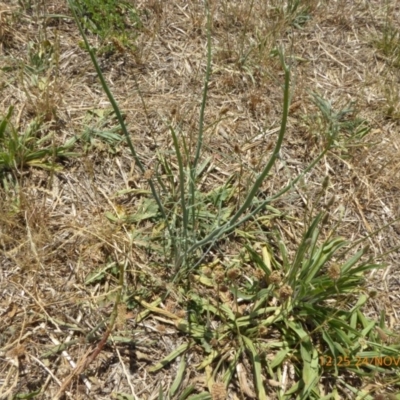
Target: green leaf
{"points": [[176, 353], [148, 209], [360, 302], [310, 374], [98, 275], [112, 217], [279, 358], [256, 361], [26, 396], [331, 344], [123, 396], [309, 357], [180, 373], [309, 240], [201, 396], [209, 359], [186, 392], [320, 259], [4, 122], [346, 267], [231, 370]]}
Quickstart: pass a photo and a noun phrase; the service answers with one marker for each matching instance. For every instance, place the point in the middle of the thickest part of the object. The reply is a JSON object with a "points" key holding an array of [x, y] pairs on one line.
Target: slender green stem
{"points": [[260, 179], [205, 90], [242, 39], [228, 227], [119, 117], [193, 168], [254, 190], [182, 194]]}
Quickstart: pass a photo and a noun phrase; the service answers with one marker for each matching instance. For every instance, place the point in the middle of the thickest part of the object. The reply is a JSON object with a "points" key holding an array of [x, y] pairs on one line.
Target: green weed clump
{"points": [[388, 43], [272, 311], [276, 311], [19, 150]]}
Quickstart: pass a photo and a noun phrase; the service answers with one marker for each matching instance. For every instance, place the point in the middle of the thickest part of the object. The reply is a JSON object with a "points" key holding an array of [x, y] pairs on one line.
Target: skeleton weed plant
{"points": [[182, 228], [303, 313]]}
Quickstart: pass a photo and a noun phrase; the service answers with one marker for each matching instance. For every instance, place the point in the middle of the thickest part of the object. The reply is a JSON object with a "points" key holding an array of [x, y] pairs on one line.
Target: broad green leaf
{"points": [[201, 167], [110, 216], [258, 260], [300, 255], [284, 255], [147, 209], [360, 302], [310, 373], [186, 392], [320, 259], [293, 390], [266, 257], [195, 330]]}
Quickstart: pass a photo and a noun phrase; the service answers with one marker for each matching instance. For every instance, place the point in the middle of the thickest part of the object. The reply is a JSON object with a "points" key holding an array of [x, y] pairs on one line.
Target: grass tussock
{"points": [[199, 200]]}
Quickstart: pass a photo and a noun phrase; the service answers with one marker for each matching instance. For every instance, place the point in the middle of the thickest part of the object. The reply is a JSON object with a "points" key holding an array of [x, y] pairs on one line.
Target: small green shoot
{"points": [[101, 132], [342, 128], [389, 44]]}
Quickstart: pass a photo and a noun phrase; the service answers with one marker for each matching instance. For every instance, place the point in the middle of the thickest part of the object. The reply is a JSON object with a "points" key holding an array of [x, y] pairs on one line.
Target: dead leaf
{"points": [[243, 381]]}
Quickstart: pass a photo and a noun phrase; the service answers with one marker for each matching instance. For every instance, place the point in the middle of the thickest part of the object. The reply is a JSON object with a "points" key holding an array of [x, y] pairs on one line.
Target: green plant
{"points": [[304, 311], [39, 56], [341, 128], [268, 312], [389, 43], [115, 22], [19, 150], [298, 12], [39, 76], [99, 130]]}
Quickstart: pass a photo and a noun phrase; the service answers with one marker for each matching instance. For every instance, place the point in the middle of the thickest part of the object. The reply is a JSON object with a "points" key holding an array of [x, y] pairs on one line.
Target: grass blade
{"points": [[255, 357], [179, 377], [176, 353]]}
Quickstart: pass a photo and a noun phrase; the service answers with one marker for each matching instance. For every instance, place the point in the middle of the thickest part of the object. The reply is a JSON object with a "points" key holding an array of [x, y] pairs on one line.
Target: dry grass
{"points": [[53, 229]]}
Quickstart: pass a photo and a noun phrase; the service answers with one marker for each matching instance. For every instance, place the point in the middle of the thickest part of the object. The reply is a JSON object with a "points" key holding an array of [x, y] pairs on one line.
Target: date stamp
{"points": [[343, 362]]}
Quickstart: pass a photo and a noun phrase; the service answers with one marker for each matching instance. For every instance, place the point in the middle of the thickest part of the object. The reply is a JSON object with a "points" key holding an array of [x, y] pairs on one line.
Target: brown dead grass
{"points": [[52, 226]]}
